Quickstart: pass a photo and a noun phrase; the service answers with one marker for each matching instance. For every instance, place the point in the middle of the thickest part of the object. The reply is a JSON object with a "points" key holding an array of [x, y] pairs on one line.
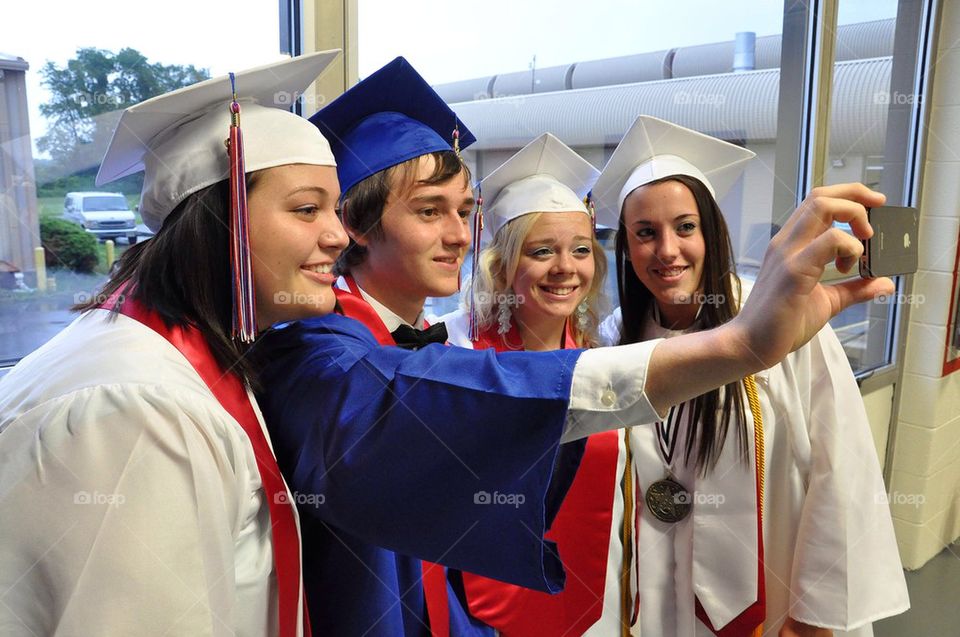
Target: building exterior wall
{"points": [[19, 222], [926, 462]]}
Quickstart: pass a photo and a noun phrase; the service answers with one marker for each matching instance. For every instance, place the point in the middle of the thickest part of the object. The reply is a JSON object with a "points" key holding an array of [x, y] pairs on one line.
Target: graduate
{"points": [[138, 491], [517, 297], [407, 200], [406, 205], [799, 542], [402, 454], [538, 287]]}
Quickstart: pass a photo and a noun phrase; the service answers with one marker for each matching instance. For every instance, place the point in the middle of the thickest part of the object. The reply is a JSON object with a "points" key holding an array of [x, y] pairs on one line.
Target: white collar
{"points": [[653, 329], [390, 319]]}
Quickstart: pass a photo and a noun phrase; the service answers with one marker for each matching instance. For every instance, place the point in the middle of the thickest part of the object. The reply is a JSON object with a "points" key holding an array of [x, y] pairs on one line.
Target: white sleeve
{"points": [[611, 328], [119, 508], [846, 565], [607, 391]]}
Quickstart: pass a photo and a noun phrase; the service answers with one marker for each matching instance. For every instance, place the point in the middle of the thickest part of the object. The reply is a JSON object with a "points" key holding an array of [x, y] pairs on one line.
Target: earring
{"points": [[504, 314], [582, 317]]}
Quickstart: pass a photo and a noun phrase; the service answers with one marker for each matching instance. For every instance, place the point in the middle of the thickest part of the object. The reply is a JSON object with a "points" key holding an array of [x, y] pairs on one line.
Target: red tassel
{"points": [[244, 303]]}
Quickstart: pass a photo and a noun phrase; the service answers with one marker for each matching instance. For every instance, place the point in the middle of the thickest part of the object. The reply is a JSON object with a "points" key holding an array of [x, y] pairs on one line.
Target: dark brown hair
{"points": [[361, 207], [183, 274], [719, 285]]}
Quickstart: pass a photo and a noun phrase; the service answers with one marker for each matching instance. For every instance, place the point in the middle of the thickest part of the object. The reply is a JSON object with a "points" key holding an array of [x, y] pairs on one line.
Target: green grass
{"points": [[50, 206]]}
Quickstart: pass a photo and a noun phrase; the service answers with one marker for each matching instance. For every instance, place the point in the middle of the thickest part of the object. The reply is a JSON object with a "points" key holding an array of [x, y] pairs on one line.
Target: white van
{"points": [[103, 214]]}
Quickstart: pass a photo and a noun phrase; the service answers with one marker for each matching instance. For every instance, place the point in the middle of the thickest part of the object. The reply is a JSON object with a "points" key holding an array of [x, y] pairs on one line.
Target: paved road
{"points": [[29, 321]]}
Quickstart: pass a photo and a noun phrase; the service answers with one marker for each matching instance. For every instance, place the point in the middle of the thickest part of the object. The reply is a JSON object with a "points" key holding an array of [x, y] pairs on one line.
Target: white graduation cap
{"points": [[546, 175], [177, 138], [653, 149]]}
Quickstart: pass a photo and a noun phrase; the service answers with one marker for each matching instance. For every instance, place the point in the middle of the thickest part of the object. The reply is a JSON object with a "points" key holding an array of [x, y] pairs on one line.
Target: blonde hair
{"points": [[498, 268]]}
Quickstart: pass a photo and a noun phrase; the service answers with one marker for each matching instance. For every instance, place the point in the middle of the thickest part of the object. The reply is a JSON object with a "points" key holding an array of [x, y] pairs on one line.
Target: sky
{"points": [[445, 41]]}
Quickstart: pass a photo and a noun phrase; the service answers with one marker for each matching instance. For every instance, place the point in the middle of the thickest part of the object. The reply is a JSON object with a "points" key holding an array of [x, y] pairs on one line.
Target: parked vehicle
{"points": [[103, 214]]}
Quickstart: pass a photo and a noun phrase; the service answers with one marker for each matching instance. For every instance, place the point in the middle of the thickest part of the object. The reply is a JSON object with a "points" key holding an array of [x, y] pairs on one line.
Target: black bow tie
{"points": [[411, 338]]}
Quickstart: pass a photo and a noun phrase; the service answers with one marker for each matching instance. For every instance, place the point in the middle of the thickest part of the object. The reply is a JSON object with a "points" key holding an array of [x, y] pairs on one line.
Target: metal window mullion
{"points": [[824, 29], [804, 106], [331, 24]]}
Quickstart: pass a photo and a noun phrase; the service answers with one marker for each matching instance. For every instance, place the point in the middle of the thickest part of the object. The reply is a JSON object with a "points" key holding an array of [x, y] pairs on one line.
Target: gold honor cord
{"points": [[750, 385], [626, 600]]}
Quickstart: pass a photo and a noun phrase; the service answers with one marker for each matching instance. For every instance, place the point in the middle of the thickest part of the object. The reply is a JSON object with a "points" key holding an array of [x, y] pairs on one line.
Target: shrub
{"points": [[67, 245]]}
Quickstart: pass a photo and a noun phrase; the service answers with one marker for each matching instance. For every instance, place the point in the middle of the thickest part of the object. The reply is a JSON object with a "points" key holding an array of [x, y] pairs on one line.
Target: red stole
{"points": [[354, 306], [581, 531], [232, 395]]}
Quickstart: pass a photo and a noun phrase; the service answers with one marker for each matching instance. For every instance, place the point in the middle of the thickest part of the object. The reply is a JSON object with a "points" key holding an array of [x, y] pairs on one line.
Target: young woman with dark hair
{"points": [[139, 491], [719, 283], [760, 505]]}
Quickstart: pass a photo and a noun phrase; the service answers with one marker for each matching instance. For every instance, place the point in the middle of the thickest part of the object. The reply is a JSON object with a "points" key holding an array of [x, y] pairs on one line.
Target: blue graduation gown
{"points": [[443, 454]]}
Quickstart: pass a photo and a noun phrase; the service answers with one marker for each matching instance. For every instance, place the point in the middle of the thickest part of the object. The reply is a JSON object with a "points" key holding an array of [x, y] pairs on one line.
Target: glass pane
{"points": [[870, 114], [588, 90], [61, 96]]}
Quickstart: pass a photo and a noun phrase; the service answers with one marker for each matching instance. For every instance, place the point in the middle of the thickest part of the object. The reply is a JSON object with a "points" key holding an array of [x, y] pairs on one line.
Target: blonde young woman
{"points": [[538, 287], [538, 284]]}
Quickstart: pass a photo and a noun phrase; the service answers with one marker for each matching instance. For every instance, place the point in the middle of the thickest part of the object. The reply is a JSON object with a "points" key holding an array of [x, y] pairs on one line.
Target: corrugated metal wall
{"points": [[733, 106], [854, 42]]}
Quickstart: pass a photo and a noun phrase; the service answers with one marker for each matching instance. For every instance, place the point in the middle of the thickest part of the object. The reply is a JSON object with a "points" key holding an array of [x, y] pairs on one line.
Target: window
{"points": [[875, 98], [720, 74], [53, 140]]}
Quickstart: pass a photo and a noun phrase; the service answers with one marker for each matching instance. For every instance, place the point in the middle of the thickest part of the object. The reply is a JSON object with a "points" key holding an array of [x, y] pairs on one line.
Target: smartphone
{"points": [[892, 249]]}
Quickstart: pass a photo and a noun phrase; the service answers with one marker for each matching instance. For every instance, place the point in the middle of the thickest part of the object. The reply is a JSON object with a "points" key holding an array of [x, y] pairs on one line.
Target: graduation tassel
{"points": [[588, 201], [474, 331], [244, 304], [456, 138]]}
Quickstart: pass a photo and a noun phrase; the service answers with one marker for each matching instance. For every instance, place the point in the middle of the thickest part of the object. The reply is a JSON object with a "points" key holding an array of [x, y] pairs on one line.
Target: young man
{"points": [[406, 207], [451, 455], [407, 198]]}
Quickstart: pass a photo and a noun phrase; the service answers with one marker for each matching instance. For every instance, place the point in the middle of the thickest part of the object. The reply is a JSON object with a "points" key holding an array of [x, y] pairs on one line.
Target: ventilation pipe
{"points": [[744, 51]]}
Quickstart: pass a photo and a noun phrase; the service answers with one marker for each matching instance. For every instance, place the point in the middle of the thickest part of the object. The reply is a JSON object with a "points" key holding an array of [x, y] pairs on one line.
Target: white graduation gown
{"points": [[831, 556], [130, 500]]}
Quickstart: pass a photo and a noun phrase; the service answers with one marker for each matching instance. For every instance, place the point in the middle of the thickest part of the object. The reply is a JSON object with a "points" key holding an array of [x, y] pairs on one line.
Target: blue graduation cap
{"points": [[391, 116]]}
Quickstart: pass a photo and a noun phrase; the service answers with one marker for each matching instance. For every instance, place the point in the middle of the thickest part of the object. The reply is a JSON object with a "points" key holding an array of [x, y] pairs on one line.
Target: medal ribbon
{"points": [[667, 434]]}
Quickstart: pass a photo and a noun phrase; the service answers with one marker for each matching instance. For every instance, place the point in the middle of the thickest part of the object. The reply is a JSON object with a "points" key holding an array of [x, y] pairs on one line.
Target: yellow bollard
{"points": [[39, 261], [108, 244]]}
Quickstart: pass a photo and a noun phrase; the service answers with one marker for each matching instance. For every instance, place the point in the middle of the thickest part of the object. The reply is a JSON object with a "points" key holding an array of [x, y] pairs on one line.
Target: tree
{"points": [[88, 95]]}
